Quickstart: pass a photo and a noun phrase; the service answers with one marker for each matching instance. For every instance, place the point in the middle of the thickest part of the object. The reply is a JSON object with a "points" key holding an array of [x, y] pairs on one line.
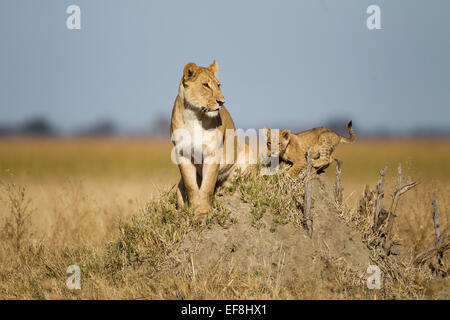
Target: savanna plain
{"points": [[106, 204]]}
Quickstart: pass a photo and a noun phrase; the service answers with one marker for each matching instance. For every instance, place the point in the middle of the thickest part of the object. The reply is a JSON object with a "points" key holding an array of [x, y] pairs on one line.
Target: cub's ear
{"points": [[214, 67], [286, 134], [190, 70]]}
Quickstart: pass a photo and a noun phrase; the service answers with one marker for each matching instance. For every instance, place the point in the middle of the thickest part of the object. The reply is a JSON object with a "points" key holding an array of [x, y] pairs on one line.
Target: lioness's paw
{"points": [[202, 210]]}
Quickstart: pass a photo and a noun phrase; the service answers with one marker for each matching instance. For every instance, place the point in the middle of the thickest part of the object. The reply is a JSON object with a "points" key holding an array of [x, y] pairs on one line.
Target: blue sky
{"points": [[299, 63]]}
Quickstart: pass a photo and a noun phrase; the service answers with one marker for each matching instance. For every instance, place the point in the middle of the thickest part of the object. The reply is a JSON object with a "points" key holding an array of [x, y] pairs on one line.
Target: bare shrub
{"points": [[17, 225]]}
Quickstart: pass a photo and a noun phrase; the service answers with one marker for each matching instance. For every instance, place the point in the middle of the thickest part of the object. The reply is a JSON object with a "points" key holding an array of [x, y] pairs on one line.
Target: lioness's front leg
{"points": [[181, 194], [189, 180], [209, 180]]}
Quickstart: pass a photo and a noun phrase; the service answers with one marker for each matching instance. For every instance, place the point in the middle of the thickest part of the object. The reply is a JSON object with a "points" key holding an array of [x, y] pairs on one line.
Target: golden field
{"points": [[79, 190]]}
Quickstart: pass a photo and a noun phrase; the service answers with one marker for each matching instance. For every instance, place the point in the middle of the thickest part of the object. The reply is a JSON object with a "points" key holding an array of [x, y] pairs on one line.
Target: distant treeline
{"points": [[42, 127], [33, 127]]}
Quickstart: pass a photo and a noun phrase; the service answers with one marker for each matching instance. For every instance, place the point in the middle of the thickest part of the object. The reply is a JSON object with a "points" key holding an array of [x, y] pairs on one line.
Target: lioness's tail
{"points": [[352, 135]]}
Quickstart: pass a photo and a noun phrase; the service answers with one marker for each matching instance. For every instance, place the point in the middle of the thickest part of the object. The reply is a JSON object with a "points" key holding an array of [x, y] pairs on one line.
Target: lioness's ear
{"points": [[190, 70], [266, 132], [214, 67], [286, 134]]}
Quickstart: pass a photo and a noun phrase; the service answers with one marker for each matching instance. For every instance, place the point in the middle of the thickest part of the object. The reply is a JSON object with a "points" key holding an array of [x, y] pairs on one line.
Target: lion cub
{"points": [[293, 148]]}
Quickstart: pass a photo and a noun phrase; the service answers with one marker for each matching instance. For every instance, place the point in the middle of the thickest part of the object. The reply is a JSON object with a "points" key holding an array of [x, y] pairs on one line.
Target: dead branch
{"points": [[365, 201], [437, 249], [437, 229], [381, 218], [307, 214], [379, 193], [399, 191], [339, 189]]}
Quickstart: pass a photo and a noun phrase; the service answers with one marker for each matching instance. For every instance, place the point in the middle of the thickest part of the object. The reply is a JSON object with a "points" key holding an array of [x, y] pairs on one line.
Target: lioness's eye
{"points": [[206, 85]]}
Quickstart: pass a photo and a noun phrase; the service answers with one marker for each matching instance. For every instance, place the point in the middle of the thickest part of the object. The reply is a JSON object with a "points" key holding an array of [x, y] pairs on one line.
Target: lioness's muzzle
{"points": [[204, 109]]}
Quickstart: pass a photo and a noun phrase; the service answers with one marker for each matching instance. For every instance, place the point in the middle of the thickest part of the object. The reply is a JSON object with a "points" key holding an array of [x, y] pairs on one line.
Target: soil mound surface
{"points": [[285, 250]]}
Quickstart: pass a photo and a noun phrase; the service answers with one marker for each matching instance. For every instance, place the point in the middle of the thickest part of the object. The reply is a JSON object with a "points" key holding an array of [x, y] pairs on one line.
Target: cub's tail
{"points": [[352, 135]]}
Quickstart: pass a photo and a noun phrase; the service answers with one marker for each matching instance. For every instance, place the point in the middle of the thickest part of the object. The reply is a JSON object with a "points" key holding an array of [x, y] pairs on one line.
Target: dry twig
{"points": [[437, 249], [308, 219], [379, 193], [399, 191], [339, 189], [437, 230]]}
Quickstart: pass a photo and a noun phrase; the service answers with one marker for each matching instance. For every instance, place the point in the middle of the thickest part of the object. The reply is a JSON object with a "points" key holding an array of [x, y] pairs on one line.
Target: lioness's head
{"points": [[201, 89], [284, 137]]}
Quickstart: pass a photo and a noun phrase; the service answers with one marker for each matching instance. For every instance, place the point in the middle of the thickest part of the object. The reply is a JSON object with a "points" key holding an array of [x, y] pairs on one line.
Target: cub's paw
{"points": [[294, 172], [202, 210]]}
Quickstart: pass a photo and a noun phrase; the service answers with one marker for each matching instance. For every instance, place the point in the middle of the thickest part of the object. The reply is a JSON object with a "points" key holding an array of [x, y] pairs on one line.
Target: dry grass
{"points": [[96, 204]]}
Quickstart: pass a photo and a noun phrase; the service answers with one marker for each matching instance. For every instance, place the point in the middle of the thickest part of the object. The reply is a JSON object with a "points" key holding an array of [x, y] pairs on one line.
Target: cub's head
{"points": [[277, 148], [201, 89]]}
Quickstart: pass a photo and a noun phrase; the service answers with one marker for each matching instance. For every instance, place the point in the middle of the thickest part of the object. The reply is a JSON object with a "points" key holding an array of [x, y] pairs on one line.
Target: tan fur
{"points": [[322, 142], [200, 99]]}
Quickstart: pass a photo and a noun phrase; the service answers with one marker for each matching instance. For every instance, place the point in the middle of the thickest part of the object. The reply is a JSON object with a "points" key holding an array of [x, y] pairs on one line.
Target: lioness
{"points": [[201, 124], [293, 148]]}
